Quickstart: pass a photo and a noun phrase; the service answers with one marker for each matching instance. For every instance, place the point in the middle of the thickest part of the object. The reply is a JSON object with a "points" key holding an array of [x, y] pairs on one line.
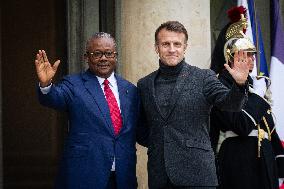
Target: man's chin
{"points": [[172, 62]]}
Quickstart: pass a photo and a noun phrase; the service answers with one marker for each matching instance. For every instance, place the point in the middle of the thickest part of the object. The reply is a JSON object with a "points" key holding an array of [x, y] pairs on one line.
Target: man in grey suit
{"points": [[176, 103]]}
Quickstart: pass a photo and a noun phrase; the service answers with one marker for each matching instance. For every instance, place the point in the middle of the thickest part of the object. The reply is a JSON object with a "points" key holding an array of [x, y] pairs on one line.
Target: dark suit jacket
{"points": [[178, 143], [91, 144]]}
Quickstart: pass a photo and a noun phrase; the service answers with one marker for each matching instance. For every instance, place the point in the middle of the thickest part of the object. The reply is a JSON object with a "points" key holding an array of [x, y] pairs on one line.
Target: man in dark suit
{"points": [[102, 109], [176, 103]]}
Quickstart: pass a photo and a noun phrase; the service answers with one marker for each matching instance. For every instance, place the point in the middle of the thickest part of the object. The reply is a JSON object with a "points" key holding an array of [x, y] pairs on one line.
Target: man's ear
{"points": [[185, 46], [156, 48], [86, 58]]}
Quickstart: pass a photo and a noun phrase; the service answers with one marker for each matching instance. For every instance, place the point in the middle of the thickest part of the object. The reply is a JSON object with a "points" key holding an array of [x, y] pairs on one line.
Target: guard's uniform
{"points": [[251, 156]]}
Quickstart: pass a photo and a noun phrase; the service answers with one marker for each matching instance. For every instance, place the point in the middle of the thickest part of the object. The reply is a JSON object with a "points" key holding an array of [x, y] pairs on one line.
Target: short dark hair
{"points": [[174, 26], [100, 35]]}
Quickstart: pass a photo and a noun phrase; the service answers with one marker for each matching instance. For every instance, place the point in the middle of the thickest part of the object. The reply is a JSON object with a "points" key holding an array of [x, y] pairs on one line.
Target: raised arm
{"points": [[45, 71]]}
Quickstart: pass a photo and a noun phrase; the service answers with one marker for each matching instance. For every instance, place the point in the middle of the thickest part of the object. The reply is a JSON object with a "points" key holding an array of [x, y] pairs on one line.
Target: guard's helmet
{"points": [[236, 39], [232, 38]]}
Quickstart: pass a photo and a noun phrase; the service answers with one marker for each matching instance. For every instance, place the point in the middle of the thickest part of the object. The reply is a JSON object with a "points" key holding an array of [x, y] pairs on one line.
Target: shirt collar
{"points": [[111, 80]]}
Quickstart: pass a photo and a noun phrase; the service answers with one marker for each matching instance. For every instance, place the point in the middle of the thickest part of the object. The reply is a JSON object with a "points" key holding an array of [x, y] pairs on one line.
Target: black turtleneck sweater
{"points": [[165, 83]]}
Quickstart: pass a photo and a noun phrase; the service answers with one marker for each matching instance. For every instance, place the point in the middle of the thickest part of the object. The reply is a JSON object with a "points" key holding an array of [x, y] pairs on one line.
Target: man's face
{"points": [[101, 57], [170, 47]]}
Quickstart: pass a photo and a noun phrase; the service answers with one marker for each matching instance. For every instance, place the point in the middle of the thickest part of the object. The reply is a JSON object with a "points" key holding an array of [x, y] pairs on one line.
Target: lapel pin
{"points": [[126, 91]]}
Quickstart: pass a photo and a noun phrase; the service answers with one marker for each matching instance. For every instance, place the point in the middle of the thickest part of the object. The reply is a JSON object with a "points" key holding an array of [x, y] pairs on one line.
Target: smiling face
{"points": [[170, 47], [101, 66]]}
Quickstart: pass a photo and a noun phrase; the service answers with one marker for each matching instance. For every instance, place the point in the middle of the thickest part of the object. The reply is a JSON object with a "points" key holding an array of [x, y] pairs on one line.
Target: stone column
{"points": [[137, 22], [1, 145], [82, 22]]}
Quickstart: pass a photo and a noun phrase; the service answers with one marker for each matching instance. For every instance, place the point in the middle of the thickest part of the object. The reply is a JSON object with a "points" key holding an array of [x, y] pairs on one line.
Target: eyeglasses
{"points": [[99, 54]]}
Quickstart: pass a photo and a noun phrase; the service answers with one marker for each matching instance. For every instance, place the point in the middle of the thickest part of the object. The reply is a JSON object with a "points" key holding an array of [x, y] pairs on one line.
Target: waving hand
{"points": [[45, 71], [240, 67]]}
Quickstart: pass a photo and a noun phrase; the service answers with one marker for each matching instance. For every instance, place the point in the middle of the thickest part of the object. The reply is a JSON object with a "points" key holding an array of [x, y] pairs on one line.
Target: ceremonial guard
{"points": [[251, 155]]}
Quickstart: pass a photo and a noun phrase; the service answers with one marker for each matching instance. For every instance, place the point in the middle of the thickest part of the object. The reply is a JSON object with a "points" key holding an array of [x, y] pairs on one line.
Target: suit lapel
{"points": [[93, 86], [178, 88], [153, 93], [123, 98]]}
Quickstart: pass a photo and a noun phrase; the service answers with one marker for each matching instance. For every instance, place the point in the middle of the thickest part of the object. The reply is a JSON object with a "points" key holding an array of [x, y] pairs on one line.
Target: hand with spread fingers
{"points": [[45, 71], [240, 68]]}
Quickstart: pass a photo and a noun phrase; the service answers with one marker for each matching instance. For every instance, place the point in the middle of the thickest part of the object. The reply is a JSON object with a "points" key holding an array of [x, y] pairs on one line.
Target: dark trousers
{"points": [[170, 185], [112, 181]]}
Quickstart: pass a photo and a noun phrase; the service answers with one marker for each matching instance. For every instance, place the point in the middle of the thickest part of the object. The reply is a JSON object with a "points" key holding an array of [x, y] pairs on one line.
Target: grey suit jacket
{"points": [[178, 144]]}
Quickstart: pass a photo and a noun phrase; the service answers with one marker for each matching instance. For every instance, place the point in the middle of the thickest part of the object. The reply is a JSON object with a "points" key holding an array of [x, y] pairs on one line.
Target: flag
{"points": [[277, 67], [253, 32], [257, 38]]}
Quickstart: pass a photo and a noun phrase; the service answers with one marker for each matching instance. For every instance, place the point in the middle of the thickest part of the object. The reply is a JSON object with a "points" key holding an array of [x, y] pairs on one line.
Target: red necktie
{"points": [[113, 108]]}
